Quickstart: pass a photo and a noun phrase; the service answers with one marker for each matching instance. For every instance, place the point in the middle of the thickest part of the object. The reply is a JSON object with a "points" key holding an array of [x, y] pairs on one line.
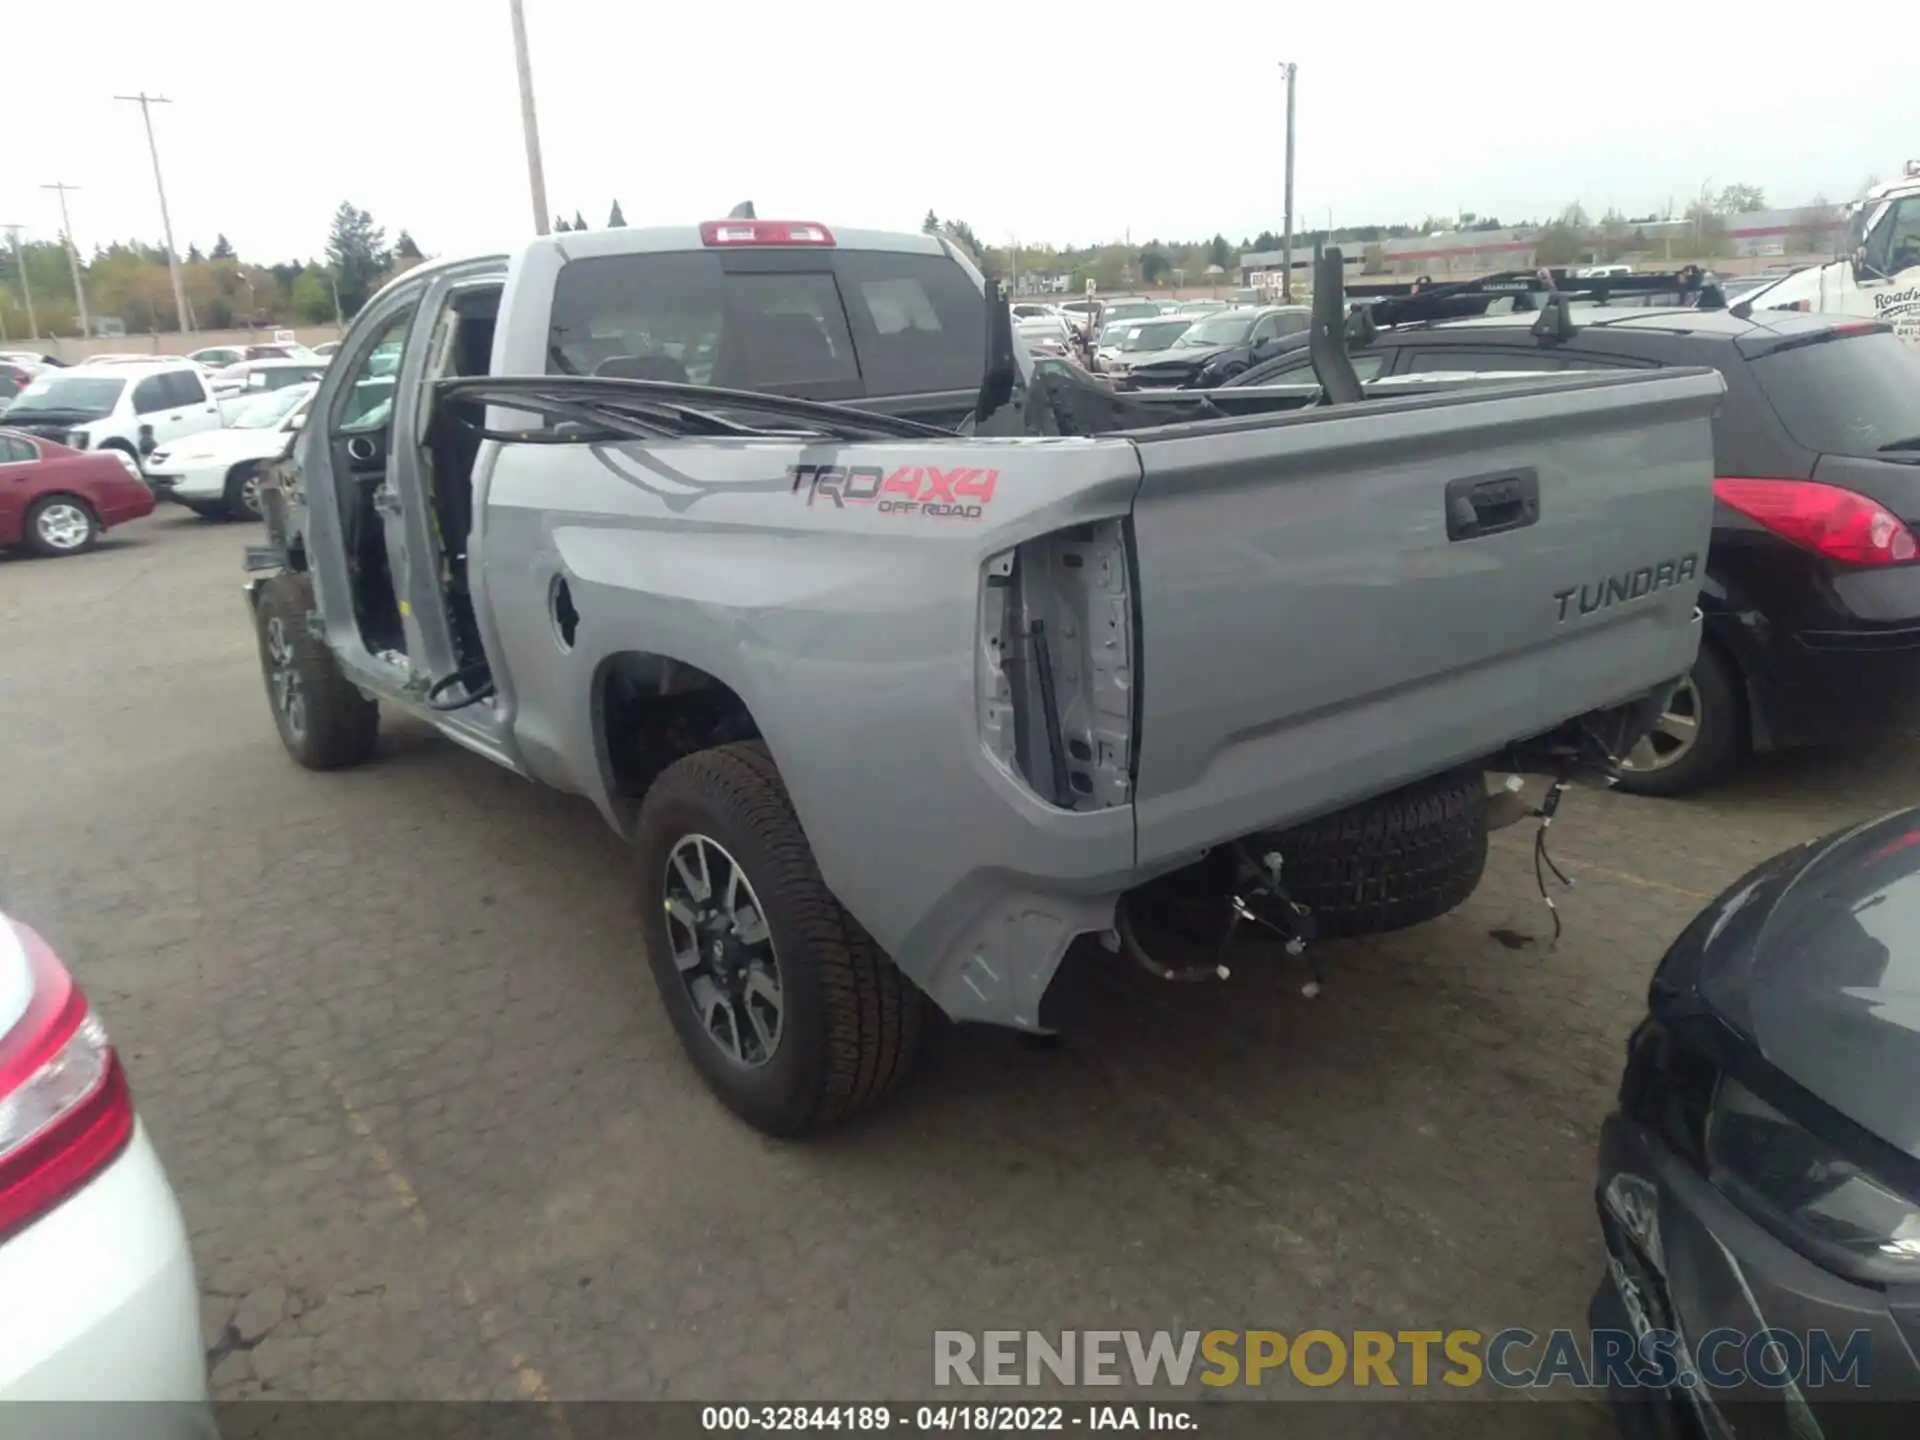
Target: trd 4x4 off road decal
{"points": [[962, 493]]}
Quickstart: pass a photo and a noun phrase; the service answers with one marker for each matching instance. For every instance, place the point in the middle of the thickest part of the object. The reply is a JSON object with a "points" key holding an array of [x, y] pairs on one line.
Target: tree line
{"points": [[128, 280], [1571, 237]]}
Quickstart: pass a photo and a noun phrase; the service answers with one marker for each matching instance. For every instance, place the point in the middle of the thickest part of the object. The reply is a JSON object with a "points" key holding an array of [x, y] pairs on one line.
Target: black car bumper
{"points": [[1683, 1258], [1820, 687]]}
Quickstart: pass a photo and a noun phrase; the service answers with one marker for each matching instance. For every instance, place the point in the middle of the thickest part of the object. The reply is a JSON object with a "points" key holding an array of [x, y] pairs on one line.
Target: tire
{"points": [[1709, 696], [241, 499], [848, 1023], [1400, 859], [325, 723], [59, 525]]}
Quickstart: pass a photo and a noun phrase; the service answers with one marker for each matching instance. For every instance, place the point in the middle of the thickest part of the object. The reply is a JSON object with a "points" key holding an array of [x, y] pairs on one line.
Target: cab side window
{"points": [[370, 389], [1894, 244], [152, 395], [183, 388]]}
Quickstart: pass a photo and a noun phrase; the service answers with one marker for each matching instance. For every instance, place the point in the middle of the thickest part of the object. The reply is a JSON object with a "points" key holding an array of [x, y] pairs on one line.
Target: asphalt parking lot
{"points": [[434, 1138]]}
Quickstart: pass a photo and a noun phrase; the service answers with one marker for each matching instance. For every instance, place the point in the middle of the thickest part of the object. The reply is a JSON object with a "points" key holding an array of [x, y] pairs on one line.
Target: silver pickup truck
{"points": [[899, 672]]}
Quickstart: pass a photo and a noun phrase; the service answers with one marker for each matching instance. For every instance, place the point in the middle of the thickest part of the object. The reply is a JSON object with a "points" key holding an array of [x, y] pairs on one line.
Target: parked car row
{"points": [[88, 447]]}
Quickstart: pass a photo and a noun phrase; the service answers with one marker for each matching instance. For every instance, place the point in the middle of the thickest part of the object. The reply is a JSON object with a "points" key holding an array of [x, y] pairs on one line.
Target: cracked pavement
{"points": [[392, 1035]]}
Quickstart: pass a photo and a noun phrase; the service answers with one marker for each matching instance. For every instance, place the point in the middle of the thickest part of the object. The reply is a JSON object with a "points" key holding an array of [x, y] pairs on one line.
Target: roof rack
{"points": [[1402, 303]]}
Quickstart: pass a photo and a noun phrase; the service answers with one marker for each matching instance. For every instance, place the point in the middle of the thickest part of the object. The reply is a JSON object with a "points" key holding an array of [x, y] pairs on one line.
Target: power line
{"points": [[73, 256], [26, 290], [146, 103]]}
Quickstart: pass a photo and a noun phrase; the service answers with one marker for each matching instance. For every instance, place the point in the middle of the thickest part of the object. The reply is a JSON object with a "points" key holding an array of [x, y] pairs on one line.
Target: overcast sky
{"points": [[1167, 122]]}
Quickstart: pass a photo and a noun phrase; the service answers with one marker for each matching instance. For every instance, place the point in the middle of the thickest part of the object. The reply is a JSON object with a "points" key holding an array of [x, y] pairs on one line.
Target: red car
{"points": [[57, 501]]}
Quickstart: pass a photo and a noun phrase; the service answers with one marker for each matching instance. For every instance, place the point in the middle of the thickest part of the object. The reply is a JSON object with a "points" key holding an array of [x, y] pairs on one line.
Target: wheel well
{"points": [[650, 709], [116, 443]]}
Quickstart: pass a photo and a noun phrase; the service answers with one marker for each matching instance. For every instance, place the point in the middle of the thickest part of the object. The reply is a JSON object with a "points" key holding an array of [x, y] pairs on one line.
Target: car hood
{"points": [[229, 445], [1815, 958], [1184, 356]]}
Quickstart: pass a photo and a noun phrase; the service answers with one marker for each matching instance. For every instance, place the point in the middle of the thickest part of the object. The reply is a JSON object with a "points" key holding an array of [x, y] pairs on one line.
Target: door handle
{"points": [[1481, 505], [176, 417]]}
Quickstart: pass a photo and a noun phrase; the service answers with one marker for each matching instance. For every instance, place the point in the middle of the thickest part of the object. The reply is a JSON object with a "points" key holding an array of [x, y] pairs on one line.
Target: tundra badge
{"points": [[1628, 585]]}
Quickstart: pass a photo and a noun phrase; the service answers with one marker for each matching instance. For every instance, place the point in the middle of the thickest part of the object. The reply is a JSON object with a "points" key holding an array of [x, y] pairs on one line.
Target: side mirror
{"points": [[1002, 369], [296, 420]]}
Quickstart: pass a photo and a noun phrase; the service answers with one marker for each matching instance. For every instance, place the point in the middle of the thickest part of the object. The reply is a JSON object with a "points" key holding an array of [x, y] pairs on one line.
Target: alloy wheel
{"points": [[1674, 734], [283, 680], [64, 526], [723, 949]]}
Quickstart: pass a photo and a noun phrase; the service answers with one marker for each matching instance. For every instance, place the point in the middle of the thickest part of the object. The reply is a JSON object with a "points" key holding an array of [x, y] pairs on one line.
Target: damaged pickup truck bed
{"points": [[899, 679]]}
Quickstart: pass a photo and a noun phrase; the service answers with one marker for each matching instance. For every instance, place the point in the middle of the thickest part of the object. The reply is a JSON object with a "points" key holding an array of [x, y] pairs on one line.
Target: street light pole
{"points": [[73, 256], [26, 290], [146, 103], [1286, 241], [536, 172]]}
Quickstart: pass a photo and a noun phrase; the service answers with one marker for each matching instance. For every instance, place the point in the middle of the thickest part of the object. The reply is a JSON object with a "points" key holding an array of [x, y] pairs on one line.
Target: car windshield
{"points": [[1217, 330], [269, 410], [1152, 335], [1851, 395], [93, 395]]}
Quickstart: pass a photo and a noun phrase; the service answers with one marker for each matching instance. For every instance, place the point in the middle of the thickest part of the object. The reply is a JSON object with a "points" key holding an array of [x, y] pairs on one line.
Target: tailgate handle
{"points": [[1480, 505]]}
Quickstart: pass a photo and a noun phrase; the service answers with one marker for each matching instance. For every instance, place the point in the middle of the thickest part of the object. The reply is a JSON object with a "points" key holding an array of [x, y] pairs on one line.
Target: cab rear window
{"points": [[1850, 395], [827, 327]]}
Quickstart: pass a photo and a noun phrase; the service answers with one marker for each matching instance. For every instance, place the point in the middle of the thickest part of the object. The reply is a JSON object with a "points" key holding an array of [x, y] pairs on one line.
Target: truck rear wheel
{"points": [[787, 1008], [1399, 859], [325, 723]]}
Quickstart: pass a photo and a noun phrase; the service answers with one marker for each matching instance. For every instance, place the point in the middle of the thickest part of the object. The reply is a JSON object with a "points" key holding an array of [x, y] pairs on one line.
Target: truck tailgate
{"points": [[1336, 602]]}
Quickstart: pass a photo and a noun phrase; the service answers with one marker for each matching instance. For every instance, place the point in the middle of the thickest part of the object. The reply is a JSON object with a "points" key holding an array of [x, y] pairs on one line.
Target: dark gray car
{"points": [[1761, 1178]]}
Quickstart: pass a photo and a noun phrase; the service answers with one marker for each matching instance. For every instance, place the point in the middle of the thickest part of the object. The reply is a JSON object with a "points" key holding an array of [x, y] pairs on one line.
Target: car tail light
{"points": [[764, 232], [1840, 524], [65, 1110]]}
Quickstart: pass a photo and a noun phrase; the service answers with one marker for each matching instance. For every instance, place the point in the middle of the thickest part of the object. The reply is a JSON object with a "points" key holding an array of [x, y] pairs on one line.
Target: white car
{"points": [[219, 472], [1045, 335], [132, 406], [243, 381], [98, 1300]]}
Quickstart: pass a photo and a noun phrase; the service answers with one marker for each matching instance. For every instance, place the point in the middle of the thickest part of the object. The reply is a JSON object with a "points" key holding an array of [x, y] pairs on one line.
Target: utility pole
{"points": [[146, 103], [26, 290], [1288, 68], [73, 256], [536, 172]]}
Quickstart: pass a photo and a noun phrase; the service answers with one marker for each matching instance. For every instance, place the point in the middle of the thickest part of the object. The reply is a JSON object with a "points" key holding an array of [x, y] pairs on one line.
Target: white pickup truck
{"points": [[1879, 276]]}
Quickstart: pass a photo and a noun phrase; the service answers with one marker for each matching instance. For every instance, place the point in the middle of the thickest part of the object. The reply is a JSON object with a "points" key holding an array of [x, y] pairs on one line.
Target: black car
{"points": [[1762, 1171], [1812, 594], [1220, 346]]}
